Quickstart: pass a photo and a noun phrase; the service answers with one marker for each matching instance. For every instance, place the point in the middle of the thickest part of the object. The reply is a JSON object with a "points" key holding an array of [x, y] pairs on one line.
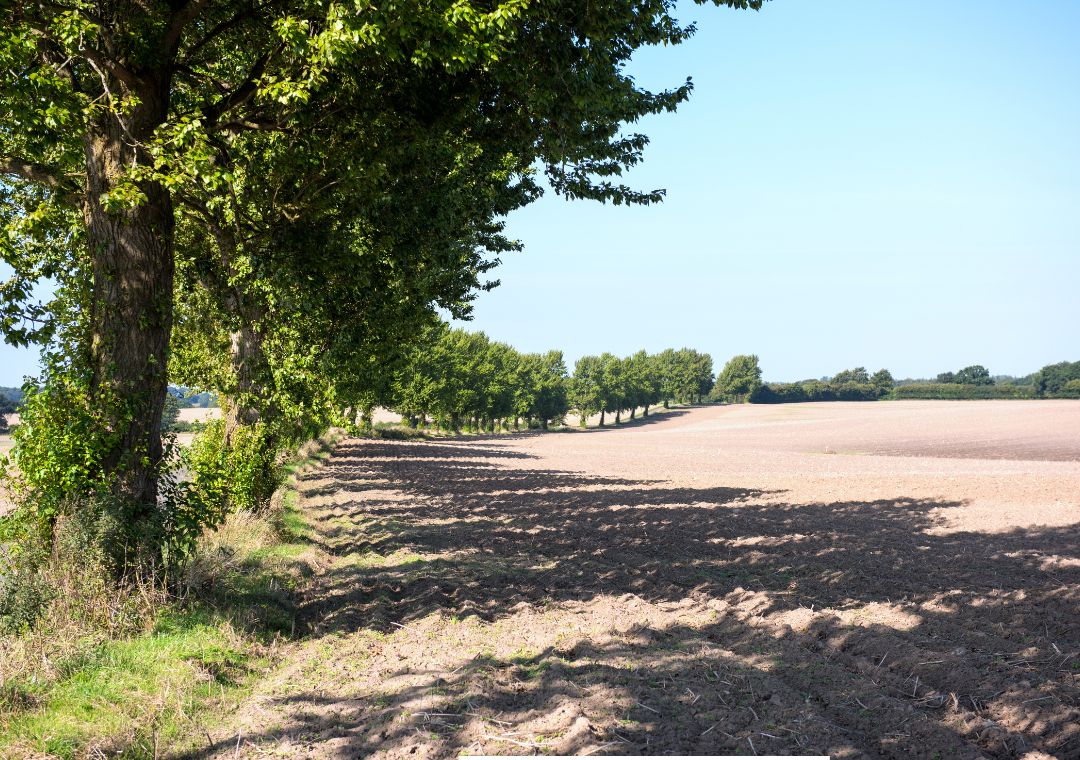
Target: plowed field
{"points": [[894, 580]]}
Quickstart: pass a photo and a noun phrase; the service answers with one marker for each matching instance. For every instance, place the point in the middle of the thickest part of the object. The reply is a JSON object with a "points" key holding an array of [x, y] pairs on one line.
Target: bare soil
{"points": [[894, 580]]}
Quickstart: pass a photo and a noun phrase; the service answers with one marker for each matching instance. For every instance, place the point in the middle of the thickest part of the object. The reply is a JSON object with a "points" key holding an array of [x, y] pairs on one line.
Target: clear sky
{"points": [[852, 183]]}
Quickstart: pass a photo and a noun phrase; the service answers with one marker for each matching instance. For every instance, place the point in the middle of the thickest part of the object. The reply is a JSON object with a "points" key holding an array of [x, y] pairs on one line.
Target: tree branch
{"points": [[170, 42], [117, 69], [96, 57], [49, 176], [251, 125], [224, 26], [241, 94]]}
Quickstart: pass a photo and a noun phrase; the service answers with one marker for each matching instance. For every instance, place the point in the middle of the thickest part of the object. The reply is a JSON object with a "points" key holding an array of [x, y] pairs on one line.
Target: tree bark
{"points": [[131, 253], [601, 418], [248, 360]]}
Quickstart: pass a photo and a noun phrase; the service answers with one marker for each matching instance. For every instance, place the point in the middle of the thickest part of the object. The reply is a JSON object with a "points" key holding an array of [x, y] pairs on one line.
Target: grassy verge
{"points": [[67, 691]]}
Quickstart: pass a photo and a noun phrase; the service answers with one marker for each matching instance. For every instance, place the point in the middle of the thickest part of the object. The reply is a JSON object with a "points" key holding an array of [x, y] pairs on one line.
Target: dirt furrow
{"points": [[615, 593]]}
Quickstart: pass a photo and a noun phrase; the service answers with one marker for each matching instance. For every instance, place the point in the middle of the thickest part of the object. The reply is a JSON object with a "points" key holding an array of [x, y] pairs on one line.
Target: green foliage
{"points": [[685, 375], [225, 475], [24, 592], [69, 574], [976, 374], [11, 397], [59, 448], [7, 406], [609, 385], [849, 385], [738, 380], [883, 380], [859, 375], [1071, 389], [614, 384], [170, 414], [958, 391], [123, 663], [460, 378], [1058, 380], [587, 387], [390, 140]]}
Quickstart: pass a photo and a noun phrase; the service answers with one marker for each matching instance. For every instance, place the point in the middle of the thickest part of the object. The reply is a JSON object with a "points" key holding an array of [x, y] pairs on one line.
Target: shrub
{"points": [[815, 390], [24, 594], [59, 451], [224, 476], [956, 391], [71, 579]]}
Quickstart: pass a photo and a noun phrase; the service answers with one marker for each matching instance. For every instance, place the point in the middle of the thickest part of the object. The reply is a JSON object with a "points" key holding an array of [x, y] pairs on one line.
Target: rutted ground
{"points": [[716, 581]]}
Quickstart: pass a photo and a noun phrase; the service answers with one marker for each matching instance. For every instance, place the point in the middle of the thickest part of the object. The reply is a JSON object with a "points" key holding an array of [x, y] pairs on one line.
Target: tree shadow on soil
{"points": [[853, 628]]}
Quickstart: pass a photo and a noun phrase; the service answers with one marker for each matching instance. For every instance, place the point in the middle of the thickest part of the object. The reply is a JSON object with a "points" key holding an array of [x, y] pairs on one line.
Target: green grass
{"points": [[133, 695], [137, 696]]}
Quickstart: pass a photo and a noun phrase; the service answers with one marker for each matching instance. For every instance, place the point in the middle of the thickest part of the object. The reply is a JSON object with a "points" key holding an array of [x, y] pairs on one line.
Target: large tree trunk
{"points": [[248, 361], [251, 400], [131, 252]]}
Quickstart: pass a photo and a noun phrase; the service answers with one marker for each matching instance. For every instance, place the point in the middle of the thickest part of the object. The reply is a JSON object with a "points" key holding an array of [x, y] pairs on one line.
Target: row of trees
{"points": [[459, 379], [607, 384], [269, 202], [1061, 380], [740, 380], [848, 385], [463, 380]]}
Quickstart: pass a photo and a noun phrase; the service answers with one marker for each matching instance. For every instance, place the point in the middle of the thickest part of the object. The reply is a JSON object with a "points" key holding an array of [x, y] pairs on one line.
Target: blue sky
{"points": [[852, 183]]}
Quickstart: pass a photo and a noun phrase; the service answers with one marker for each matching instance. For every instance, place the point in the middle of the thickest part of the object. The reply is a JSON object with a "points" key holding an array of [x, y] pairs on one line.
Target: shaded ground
{"points": [[711, 583]]}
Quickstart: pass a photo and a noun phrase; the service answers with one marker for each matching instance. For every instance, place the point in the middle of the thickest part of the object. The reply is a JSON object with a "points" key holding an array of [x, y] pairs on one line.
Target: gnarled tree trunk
{"points": [[131, 252]]}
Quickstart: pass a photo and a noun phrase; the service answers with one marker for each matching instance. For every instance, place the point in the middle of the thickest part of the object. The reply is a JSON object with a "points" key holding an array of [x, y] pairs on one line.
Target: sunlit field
{"points": [[862, 580]]}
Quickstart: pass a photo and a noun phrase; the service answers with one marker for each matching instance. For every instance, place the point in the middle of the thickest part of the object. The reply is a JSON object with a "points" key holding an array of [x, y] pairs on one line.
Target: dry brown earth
{"points": [[894, 580]]}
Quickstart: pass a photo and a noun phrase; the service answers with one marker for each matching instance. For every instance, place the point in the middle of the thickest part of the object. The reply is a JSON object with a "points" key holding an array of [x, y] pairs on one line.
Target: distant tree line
{"points": [[453, 379], [849, 385], [607, 384], [187, 398], [1060, 380], [961, 391], [457, 380]]}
